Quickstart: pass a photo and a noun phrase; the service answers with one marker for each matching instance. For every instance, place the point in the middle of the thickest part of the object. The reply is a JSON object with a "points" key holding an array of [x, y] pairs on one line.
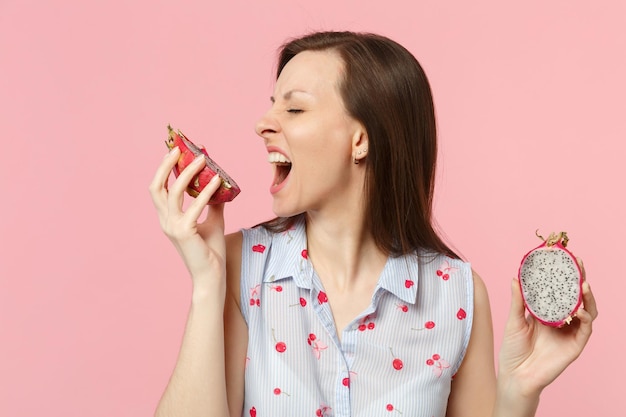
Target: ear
{"points": [[360, 144]]}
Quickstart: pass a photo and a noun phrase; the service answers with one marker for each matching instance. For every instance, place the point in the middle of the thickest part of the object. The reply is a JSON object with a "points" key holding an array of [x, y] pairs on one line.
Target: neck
{"points": [[342, 249]]}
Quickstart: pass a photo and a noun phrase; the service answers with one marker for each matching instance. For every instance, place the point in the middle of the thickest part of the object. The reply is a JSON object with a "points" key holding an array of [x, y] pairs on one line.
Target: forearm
{"points": [[197, 386]]}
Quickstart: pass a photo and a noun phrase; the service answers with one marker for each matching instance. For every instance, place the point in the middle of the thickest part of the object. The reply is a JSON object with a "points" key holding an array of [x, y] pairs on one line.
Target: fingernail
{"points": [[215, 178], [198, 159], [174, 150]]}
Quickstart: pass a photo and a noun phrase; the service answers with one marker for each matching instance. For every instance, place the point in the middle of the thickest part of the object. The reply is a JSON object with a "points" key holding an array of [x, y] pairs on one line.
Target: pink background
{"points": [[93, 298]]}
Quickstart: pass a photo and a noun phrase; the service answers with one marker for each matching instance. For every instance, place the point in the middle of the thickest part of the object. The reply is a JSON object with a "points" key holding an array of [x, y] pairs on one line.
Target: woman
{"points": [[347, 304]]}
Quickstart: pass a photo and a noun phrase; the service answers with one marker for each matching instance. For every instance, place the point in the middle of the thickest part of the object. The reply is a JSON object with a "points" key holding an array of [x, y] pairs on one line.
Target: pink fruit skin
{"points": [[188, 152], [580, 283]]}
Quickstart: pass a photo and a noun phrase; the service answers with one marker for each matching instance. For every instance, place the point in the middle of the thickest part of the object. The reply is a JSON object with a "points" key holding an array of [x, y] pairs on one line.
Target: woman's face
{"points": [[309, 136]]}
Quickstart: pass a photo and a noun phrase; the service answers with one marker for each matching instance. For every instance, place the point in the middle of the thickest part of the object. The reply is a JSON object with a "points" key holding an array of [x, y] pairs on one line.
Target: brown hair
{"points": [[386, 89]]}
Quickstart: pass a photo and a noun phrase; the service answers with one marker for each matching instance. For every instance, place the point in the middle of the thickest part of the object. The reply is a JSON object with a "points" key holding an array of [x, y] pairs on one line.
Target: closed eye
{"points": [[295, 111]]}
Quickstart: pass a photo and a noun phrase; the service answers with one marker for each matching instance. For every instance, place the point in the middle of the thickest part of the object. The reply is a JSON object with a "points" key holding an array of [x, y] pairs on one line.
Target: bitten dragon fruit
{"points": [[188, 152], [551, 281]]}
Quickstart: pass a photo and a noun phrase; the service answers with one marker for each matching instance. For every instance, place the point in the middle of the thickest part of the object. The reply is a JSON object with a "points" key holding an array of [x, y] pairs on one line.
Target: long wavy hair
{"points": [[385, 88]]}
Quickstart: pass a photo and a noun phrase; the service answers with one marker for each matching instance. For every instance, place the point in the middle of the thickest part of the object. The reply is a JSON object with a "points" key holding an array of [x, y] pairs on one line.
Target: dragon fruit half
{"points": [[551, 281], [188, 152]]}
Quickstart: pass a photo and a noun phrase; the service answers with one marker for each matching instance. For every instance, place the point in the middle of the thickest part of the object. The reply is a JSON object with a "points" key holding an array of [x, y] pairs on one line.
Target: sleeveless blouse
{"points": [[395, 359]]}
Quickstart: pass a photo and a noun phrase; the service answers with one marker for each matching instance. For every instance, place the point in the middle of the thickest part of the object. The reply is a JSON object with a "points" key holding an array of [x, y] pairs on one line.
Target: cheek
{"points": [[327, 167], [321, 142]]}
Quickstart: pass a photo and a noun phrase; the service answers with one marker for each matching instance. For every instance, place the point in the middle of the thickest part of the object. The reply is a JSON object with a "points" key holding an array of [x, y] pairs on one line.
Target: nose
{"points": [[266, 126]]}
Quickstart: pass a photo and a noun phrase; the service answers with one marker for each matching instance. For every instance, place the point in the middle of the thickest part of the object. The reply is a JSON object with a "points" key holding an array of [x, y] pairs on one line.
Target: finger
{"points": [[158, 185], [177, 189], [163, 171], [517, 313], [582, 267], [216, 215], [585, 327], [589, 301], [213, 225], [195, 209]]}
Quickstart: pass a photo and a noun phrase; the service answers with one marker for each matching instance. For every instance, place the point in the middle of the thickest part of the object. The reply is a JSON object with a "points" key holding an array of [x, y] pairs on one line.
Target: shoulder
{"points": [[474, 384], [258, 238], [481, 296], [240, 248], [454, 273], [234, 242], [482, 324]]}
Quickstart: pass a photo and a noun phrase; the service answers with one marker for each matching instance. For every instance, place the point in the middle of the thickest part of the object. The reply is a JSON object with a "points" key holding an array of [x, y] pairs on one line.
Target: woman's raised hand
{"points": [[532, 355], [200, 244]]}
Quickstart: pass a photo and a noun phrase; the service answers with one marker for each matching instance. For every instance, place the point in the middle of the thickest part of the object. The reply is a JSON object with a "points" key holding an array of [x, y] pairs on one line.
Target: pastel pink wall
{"points": [[530, 100]]}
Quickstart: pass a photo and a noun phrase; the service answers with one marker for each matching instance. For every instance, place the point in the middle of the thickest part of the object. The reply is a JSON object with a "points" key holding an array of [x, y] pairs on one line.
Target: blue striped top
{"points": [[396, 359]]}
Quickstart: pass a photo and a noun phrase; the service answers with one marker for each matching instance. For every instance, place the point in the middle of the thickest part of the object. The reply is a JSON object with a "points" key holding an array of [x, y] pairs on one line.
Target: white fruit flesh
{"points": [[551, 284]]}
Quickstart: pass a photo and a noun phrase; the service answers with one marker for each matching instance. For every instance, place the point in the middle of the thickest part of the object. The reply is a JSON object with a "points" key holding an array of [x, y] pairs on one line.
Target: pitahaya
{"points": [[551, 281], [188, 152]]}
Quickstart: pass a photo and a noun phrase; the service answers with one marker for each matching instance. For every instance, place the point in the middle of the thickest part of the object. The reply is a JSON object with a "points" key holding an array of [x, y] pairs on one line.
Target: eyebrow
{"points": [[288, 95]]}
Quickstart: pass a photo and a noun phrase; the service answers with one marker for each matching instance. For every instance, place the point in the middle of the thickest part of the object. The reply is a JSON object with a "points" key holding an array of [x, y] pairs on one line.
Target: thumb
{"points": [[517, 314], [215, 215]]}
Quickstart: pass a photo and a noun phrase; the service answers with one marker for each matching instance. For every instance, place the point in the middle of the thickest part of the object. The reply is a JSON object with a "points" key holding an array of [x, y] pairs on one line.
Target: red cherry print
{"points": [[253, 412], [436, 357], [397, 363], [461, 314], [322, 410], [429, 325], [278, 288], [277, 391], [312, 337], [322, 297], [362, 327], [258, 248], [304, 253], [430, 362], [280, 346], [302, 302], [371, 326], [402, 307], [389, 407], [258, 302], [408, 283], [445, 270], [346, 380], [254, 291], [252, 302]]}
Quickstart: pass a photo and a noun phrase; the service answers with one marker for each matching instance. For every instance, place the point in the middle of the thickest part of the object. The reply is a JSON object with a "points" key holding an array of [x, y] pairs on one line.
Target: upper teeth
{"points": [[274, 157]]}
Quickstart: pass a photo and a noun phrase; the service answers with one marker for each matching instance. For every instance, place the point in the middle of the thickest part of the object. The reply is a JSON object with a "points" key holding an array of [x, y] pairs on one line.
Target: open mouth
{"points": [[282, 164]]}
